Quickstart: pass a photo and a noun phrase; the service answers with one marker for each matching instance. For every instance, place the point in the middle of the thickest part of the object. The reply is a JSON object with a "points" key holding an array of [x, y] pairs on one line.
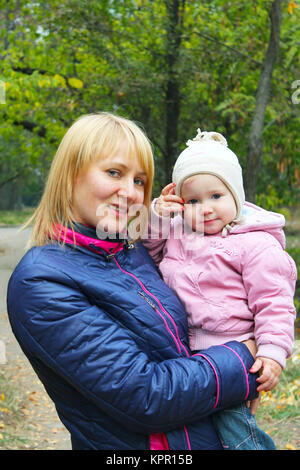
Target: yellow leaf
{"points": [[291, 7], [75, 83], [290, 447], [60, 80], [1, 436], [2, 396], [4, 410], [290, 400]]}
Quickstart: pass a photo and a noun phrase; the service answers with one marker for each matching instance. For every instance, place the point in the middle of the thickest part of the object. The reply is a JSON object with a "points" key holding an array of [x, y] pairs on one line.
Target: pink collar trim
{"points": [[67, 235]]}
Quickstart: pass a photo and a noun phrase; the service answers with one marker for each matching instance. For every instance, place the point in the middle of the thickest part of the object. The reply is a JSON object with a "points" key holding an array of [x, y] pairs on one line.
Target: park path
{"points": [[41, 428]]}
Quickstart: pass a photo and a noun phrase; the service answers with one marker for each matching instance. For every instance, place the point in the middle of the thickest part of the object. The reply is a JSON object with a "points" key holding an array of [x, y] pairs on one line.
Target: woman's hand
{"points": [[253, 404], [168, 202]]}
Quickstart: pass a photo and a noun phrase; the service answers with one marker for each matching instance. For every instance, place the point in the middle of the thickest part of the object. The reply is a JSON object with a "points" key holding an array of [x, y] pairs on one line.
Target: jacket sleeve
{"points": [[269, 276], [83, 345], [158, 232]]}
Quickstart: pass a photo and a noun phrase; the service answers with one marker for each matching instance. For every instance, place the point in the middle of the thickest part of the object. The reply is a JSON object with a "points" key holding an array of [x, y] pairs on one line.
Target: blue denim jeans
{"points": [[237, 430]]}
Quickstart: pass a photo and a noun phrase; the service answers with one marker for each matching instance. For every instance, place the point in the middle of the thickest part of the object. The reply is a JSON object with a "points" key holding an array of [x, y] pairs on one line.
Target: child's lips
{"points": [[209, 221]]}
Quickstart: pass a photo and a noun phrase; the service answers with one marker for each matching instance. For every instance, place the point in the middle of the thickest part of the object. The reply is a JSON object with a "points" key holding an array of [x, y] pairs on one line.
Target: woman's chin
{"points": [[111, 230]]}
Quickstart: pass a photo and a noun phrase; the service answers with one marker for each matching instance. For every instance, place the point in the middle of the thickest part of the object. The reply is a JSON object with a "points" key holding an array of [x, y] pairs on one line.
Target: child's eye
{"points": [[216, 196], [193, 201]]}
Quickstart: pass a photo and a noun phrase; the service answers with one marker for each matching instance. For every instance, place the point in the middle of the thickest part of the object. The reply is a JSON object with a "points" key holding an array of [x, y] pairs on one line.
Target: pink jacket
{"points": [[234, 287]]}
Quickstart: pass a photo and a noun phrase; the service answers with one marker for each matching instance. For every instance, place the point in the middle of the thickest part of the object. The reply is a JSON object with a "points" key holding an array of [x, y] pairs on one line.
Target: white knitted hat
{"points": [[208, 153]]}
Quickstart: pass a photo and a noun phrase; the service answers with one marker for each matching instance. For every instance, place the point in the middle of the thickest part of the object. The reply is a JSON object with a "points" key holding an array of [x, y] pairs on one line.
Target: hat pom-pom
{"points": [[208, 136]]}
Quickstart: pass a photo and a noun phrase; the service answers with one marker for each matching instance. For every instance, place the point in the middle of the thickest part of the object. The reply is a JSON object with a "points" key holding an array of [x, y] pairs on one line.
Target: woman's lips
{"points": [[118, 210]]}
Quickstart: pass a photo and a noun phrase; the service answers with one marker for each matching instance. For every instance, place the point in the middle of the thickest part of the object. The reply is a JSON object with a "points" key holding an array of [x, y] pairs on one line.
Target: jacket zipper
{"points": [[161, 312], [177, 341], [164, 320]]}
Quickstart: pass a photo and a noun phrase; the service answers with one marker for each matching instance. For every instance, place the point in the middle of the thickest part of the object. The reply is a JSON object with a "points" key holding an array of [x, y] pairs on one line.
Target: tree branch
{"points": [[13, 177], [255, 143], [223, 44]]}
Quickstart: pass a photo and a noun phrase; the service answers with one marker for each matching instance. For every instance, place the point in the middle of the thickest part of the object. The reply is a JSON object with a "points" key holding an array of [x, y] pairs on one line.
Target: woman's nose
{"points": [[127, 189]]}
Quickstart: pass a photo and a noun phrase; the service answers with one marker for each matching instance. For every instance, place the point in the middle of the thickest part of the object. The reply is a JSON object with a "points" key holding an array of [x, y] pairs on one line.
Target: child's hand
{"points": [[270, 373], [168, 202]]}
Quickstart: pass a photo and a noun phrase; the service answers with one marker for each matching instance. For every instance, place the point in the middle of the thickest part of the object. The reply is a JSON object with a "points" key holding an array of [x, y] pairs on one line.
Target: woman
{"points": [[105, 335]]}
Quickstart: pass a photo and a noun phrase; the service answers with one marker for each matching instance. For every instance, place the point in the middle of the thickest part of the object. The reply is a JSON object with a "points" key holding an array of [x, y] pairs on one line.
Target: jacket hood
{"points": [[256, 218]]}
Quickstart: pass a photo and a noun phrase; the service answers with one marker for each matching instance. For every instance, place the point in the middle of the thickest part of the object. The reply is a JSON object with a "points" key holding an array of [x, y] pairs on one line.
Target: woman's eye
{"points": [[139, 181], [113, 173]]}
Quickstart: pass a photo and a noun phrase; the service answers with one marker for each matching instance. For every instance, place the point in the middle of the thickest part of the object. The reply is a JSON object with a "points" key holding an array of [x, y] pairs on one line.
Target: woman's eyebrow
{"points": [[125, 167]]}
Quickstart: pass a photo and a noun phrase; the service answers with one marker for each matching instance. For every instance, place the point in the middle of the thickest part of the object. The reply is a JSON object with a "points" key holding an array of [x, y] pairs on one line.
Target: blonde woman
{"points": [[104, 333]]}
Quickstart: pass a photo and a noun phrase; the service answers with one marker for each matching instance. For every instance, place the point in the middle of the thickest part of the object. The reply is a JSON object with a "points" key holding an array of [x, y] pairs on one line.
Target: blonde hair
{"points": [[91, 137]]}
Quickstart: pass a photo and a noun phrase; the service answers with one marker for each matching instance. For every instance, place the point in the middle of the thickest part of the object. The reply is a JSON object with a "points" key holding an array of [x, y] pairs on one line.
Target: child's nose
{"points": [[206, 208]]}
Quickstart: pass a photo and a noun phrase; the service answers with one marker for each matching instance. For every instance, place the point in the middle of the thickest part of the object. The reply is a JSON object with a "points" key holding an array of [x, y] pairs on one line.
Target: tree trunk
{"points": [[175, 11], [255, 142]]}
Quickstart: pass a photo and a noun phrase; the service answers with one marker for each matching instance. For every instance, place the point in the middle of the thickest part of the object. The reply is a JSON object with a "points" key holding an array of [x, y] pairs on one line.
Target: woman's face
{"points": [[106, 191]]}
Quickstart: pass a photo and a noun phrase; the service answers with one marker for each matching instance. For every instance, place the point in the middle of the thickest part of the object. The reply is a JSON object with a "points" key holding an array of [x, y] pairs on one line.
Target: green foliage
{"points": [[283, 401], [16, 217], [61, 59], [10, 414]]}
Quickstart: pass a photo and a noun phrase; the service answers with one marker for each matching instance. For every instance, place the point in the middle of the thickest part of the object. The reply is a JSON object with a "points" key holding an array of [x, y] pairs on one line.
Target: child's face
{"points": [[209, 204], [104, 193]]}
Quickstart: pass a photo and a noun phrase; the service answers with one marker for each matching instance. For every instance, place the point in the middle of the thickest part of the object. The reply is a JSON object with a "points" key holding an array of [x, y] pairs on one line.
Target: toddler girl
{"points": [[225, 259]]}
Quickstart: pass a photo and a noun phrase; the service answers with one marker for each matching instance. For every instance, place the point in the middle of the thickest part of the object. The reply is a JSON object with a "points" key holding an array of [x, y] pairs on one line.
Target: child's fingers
{"points": [[267, 383], [256, 366], [267, 380], [168, 194], [176, 207], [166, 208], [173, 199], [167, 205], [169, 189], [168, 202]]}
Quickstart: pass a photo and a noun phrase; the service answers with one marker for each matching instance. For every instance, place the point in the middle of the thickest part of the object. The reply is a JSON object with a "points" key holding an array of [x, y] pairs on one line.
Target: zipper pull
{"points": [[147, 300], [110, 255], [128, 246]]}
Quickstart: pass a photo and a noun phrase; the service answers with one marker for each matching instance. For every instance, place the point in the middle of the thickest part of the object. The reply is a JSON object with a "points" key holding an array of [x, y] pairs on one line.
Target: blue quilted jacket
{"points": [[108, 339]]}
